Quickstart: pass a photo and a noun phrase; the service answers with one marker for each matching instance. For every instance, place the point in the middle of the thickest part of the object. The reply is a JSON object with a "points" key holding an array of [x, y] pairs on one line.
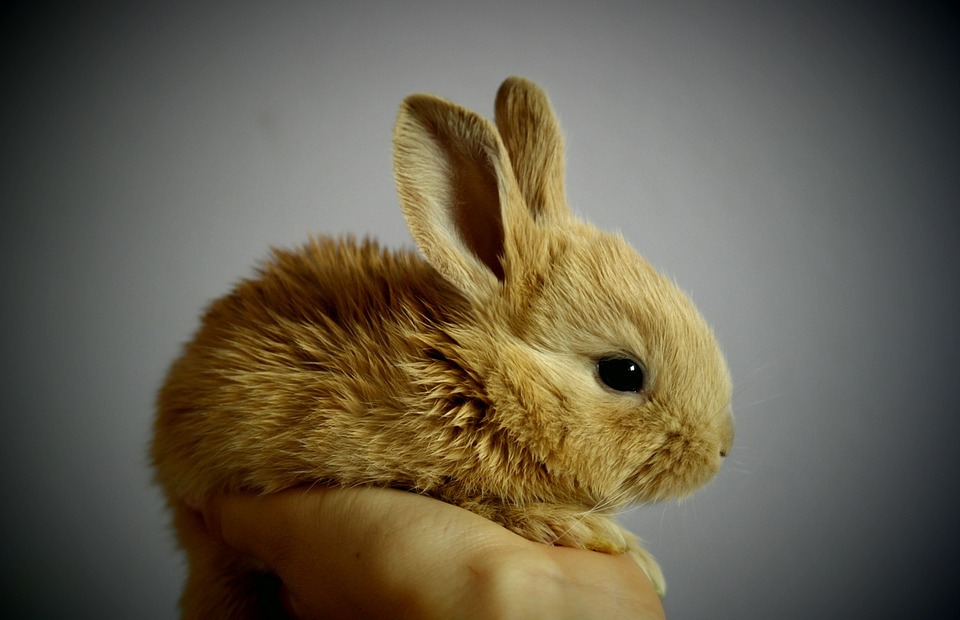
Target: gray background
{"points": [[795, 167]]}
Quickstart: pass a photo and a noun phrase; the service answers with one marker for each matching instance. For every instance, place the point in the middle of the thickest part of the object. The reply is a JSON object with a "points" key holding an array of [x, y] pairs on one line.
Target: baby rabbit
{"points": [[528, 367]]}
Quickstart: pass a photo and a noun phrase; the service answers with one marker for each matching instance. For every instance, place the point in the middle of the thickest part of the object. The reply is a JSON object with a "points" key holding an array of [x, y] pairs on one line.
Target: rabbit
{"points": [[528, 367]]}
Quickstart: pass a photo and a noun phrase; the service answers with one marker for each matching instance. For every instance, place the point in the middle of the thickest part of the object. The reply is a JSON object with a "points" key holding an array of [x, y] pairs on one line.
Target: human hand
{"points": [[367, 552]]}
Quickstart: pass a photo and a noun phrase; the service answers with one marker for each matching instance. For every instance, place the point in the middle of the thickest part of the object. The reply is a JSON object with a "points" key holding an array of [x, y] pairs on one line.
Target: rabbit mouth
{"points": [[679, 467]]}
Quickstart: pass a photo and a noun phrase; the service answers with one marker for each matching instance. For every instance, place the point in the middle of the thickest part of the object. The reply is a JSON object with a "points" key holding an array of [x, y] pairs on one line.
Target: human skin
{"points": [[365, 552]]}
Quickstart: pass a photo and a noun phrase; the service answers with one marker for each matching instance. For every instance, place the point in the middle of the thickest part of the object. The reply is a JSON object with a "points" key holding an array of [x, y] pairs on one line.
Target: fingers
{"points": [[332, 547], [258, 525], [616, 579], [365, 552], [266, 525], [294, 535]]}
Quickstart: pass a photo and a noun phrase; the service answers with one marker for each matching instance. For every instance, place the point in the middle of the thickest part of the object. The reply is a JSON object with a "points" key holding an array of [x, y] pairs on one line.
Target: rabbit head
{"points": [[602, 377]]}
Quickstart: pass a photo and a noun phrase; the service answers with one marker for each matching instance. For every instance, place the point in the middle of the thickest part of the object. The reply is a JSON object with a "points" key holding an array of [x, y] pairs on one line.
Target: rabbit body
{"points": [[474, 375]]}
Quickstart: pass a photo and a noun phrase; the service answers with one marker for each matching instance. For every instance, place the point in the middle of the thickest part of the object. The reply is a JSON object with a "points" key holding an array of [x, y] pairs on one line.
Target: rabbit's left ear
{"points": [[457, 192], [531, 134]]}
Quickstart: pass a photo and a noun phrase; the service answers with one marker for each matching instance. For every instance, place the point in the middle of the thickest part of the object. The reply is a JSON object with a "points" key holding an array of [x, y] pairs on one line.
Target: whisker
{"points": [[663, 516], [752, 379], [761, 401], [755, 373], [604, 505]]}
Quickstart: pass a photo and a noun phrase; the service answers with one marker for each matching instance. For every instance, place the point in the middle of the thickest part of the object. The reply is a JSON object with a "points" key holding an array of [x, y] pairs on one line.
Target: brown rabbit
{"points": [[532, 369]]}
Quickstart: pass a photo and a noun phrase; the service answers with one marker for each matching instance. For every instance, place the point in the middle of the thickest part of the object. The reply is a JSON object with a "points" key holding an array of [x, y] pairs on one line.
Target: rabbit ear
{"points": [[532, 137], [454, 180]]}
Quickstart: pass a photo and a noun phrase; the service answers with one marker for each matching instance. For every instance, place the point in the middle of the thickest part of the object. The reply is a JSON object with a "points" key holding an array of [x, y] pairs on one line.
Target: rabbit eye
{"points": [[621, 374]]}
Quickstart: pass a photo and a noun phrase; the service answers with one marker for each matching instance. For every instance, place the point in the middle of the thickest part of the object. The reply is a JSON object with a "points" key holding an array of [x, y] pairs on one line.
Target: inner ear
{"points": [[476, 210]]}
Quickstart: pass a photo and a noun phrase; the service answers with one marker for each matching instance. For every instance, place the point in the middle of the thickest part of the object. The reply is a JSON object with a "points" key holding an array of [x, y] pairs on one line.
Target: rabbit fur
{"points": [[470, 376]]}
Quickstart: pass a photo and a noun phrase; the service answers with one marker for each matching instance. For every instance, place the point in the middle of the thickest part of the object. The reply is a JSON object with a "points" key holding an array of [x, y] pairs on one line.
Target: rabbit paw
{"points": [[600, 533], [568, 528], [647, 562]]}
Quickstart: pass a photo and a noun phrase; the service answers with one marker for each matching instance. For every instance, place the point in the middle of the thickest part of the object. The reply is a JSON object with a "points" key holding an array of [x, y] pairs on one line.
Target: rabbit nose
{"points": [[726, 434]]}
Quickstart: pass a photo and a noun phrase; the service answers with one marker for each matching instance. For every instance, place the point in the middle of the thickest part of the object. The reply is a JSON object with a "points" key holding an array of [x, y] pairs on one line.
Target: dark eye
{"points": [[621, 374]]}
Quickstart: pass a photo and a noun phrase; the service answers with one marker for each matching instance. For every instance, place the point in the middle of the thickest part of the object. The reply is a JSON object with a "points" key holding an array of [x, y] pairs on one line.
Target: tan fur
{"points": [[470, 376]]}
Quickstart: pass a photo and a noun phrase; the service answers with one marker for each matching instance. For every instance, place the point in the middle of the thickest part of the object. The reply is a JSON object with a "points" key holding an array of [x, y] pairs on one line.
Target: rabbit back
{"points": [[301, 375]]}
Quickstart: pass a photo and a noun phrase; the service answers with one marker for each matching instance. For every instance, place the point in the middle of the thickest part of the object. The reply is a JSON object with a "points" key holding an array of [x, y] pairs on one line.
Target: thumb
{"points": [[258, 525]]}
